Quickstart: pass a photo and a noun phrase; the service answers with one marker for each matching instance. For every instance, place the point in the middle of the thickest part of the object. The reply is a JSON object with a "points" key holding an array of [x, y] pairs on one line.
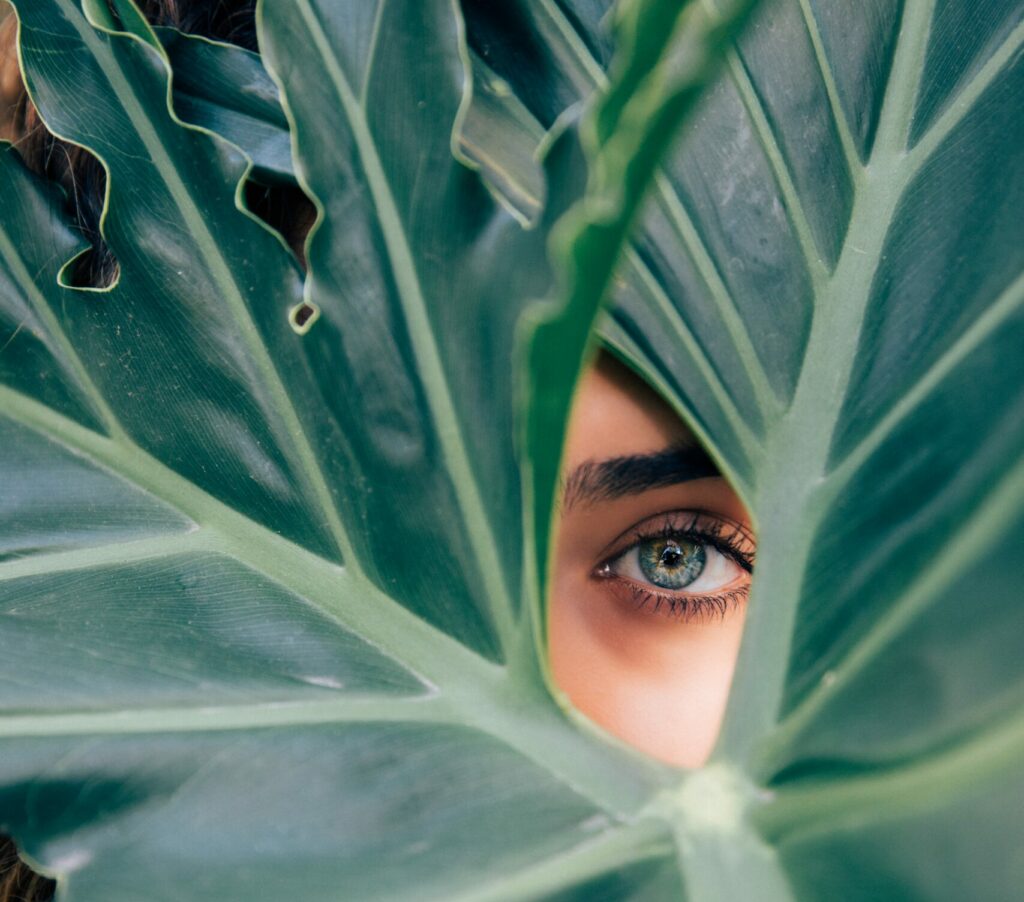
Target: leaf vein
{"points": [[421, 333], [209, 248]]}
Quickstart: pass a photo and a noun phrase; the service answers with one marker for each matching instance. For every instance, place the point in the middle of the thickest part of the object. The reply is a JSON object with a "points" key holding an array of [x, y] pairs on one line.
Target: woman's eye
{"points": [[675, 563], [681, 572]]}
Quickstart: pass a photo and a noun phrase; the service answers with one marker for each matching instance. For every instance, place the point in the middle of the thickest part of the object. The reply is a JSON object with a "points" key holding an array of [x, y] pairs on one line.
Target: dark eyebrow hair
{"points": [[603, 480]]}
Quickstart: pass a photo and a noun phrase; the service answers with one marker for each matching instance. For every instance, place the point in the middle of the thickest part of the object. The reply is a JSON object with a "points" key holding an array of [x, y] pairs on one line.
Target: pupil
{"points": [[671, 556]]}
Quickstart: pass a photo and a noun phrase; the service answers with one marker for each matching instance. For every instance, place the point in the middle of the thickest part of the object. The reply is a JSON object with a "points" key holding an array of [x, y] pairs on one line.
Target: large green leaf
{"points": [[267, 583], [829, 284]]}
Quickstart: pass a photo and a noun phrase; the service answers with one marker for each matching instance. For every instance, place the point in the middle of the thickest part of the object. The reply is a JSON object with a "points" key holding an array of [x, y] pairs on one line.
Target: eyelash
{"points": [[701, 528], [688, 608]]}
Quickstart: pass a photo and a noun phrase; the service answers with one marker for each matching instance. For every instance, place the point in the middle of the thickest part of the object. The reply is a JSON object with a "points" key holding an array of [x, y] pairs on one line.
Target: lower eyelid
{"points": [[689, 608]]}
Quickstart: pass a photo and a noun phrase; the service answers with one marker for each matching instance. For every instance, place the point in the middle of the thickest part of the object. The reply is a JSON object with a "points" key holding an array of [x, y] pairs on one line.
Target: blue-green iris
{"points": [[671, 563]]}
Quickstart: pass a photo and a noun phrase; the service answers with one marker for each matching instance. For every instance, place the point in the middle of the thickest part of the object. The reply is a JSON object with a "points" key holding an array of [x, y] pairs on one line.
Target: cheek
{"points": [[657, 683]]}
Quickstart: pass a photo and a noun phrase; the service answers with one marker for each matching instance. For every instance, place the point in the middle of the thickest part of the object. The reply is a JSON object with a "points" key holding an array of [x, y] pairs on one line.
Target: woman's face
{"points": [[652, 572]]}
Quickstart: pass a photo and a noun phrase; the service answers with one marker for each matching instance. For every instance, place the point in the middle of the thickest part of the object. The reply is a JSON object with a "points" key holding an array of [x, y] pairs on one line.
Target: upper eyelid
{"points": [[619, 546]]}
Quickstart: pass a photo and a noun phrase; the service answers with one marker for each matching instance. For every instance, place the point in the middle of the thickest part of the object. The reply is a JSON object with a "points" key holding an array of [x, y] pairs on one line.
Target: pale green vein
{"points": [[964, 547], [608, 852], [850, 154], [342, 596], [673, 317], [1009, 302], [725, 304], [371, 53], [587, 65], [967, 97], [228, 288], [235, 717], [115, 554], [904, 79], [421, 335], [68, 355], [796, 455], [816, 267], [984, 758]]}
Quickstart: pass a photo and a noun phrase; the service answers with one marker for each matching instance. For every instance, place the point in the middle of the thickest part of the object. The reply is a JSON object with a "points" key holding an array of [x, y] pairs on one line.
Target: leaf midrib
{"points": [[797, 454], [1005, 305]]}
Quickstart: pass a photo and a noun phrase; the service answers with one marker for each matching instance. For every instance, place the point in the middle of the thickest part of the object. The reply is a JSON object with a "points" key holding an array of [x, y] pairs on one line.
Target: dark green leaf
{"points": [[840, 233]]}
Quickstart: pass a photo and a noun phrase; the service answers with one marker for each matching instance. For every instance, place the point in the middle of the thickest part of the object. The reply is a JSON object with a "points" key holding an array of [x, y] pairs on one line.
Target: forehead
{"points": [[616, 415]]}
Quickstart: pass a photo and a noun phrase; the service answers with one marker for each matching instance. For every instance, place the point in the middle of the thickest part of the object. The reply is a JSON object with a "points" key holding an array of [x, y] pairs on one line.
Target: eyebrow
{"points": [[605, 480]]}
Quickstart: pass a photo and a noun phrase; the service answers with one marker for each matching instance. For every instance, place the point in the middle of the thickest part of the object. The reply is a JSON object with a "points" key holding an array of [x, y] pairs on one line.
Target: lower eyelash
{"points": [[688, 608]]}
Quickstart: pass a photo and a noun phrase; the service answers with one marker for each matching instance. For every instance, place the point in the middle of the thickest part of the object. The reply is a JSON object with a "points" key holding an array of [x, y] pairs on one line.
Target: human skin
{"points": [[651, 665]]}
